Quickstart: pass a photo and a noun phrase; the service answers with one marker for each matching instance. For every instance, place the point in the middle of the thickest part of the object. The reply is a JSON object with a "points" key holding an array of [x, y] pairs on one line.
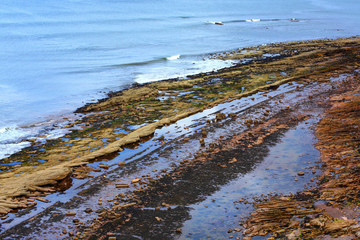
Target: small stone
{"points": [[178, 230], [220, 116], [64, 231], [70, 214], [301, 173], [121, 164], [122, 185], [105, 166], [88, 210], [232, 115], [357, 234], [158, 219], [203, 133], [294, 234], [136, 180], [112, 238], [202, 142], [71, 233], [230, 230], [233, 160]]}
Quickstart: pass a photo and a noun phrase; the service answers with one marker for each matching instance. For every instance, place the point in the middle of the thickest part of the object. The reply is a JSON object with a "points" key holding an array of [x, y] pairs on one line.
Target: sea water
{"points": [[56, 56]]}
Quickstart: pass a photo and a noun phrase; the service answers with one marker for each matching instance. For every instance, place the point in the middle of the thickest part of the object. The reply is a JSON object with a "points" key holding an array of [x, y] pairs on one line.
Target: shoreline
{"points": [[248, 55], [159, 104]]}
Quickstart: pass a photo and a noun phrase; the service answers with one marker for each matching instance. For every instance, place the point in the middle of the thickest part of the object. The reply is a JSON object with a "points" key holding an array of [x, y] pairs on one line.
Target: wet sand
{"points": [[193, 157]]}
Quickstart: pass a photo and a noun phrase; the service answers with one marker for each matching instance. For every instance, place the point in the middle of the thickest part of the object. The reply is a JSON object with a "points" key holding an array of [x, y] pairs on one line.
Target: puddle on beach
{"points": [[275, 173]]}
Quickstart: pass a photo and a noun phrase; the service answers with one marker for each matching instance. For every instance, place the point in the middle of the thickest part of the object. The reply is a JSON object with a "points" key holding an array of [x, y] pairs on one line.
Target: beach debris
{"points": [[301, 173], [71, 214], [233, 160], [104, 166], [41, 199], [136, 180], [122, 185], [117, 207]]}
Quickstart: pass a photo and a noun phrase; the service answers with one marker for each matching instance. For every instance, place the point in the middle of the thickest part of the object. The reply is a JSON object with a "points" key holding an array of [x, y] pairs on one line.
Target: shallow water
{"points": [[275, 173], [56, 56]]}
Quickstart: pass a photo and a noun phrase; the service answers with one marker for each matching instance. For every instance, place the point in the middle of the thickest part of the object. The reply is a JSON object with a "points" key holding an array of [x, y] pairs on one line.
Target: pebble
{"points": [[301, 173], [220, 116], [88, 210], [122, 185], [136, 180], [70, 214], [105, 166]]}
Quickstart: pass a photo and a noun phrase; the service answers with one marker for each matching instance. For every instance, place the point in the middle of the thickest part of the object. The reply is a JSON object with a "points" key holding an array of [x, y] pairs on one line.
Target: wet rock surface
{"points": [[198, 173]]}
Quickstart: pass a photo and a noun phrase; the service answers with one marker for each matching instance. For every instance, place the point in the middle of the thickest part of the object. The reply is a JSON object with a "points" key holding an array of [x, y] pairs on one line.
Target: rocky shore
{"points": [[273, 89]]}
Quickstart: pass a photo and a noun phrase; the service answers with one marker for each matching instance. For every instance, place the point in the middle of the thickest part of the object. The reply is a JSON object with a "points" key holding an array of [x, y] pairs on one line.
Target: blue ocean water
{"points": [[56, 56]]}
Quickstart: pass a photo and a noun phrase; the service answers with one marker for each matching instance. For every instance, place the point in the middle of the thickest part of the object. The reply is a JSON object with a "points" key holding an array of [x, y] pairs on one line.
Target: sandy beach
{"points": [[272, 141]]}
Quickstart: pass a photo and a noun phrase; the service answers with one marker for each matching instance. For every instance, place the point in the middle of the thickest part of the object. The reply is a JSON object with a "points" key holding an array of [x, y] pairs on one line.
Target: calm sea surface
{"points": [[57, 55]]}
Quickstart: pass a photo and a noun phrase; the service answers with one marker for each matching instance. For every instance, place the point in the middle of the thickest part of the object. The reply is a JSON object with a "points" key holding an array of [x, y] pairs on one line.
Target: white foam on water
{"points": [[188, 67], [14, 138], [253, 20], [216, 23], [173, 57], [13, 134], [7, 149]]}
